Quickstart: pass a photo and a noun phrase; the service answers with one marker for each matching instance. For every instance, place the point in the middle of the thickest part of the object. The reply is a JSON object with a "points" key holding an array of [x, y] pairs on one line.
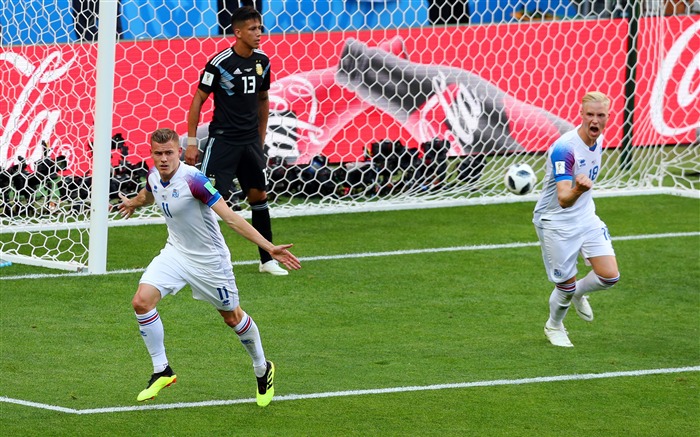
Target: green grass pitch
{"points": [[376, 336]]}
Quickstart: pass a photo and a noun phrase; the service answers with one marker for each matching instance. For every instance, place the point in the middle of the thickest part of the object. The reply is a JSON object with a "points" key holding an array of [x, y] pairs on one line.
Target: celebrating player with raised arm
{"points": [[566, 222], [195, 254]]}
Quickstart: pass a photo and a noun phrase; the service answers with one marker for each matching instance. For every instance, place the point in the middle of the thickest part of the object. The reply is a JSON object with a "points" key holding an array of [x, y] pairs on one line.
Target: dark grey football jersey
{"points": [[236, 82]]}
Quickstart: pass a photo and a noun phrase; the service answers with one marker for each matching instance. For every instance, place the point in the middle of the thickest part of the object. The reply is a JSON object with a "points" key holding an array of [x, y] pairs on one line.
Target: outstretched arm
{"points": [[128, 206], [247, 231]]}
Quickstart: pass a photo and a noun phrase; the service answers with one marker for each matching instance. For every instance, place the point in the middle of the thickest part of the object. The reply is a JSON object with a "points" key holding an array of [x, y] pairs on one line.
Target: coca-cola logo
{"points": [[462, 115], [26, 124], [675, 103], [297, 87], [460, 110]]}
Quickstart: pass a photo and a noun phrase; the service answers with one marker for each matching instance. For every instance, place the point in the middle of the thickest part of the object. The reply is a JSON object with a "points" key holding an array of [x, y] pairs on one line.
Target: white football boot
{"points": [[583, 308], [272, 267], [557, 336]]}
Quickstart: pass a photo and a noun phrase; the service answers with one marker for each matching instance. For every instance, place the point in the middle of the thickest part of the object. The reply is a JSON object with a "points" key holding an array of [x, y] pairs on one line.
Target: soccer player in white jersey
{"points": [[195, 254], [566, 222]]}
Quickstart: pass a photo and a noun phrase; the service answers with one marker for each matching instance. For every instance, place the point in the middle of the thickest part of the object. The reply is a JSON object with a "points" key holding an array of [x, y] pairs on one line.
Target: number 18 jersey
{"points": [[566, 158]]}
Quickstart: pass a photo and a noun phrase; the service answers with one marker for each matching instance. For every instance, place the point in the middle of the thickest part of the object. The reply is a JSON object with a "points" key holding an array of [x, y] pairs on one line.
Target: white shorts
{"points": [[560, 248], [169, 272]]}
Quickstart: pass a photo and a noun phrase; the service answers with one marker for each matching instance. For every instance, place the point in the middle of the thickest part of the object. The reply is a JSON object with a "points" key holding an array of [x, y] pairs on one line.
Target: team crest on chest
{"points": [[176, 193], [258, 69]]}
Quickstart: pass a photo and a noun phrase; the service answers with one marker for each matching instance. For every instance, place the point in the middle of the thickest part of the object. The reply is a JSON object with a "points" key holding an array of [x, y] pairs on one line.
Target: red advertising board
{"points": [[667, 98], [492, 89]]}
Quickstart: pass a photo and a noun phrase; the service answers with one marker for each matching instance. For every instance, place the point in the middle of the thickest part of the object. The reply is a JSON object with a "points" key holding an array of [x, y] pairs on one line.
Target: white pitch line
{"points": [[371, 254], [477, 247], [38, 405], [293, 397]]}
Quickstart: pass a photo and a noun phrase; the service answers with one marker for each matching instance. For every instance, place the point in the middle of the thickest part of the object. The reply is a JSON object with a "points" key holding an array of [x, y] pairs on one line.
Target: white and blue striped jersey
{"points": [[193, 227], [566, 158]]}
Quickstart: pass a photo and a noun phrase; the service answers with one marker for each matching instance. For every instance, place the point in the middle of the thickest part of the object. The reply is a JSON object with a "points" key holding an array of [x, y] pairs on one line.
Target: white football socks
{"points": [[559, 302], [249, 335], [153, 335], [592, 282]]}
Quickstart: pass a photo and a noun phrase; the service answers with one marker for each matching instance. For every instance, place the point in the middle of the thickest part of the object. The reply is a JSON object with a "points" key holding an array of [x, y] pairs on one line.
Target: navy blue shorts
{"points": [[223, 161]]}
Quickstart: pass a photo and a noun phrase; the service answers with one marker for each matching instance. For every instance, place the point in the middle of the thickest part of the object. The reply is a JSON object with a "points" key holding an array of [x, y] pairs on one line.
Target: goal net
{"points": [[375, 104]]}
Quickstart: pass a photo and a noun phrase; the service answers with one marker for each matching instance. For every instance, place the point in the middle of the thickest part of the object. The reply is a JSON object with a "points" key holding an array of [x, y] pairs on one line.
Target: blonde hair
{"points": [[164, 135], [595, 96]]}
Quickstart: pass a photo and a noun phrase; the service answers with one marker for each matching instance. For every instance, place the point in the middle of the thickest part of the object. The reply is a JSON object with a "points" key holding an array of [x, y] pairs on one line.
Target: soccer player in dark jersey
{"points": [[239, 79]]}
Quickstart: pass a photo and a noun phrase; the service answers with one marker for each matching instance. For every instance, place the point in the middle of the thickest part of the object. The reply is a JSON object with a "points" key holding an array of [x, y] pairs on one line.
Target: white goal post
{"points": [[374, 105]]}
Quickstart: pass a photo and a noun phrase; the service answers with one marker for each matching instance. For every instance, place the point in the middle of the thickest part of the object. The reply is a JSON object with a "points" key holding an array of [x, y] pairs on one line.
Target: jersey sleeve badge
{"points": [[207, 78], [560, 167], [210, 187]]}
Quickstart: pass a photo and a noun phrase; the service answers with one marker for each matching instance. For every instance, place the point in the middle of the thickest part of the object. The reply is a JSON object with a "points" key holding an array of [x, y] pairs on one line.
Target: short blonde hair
{"points": [[165, 135], [595, 96]]}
